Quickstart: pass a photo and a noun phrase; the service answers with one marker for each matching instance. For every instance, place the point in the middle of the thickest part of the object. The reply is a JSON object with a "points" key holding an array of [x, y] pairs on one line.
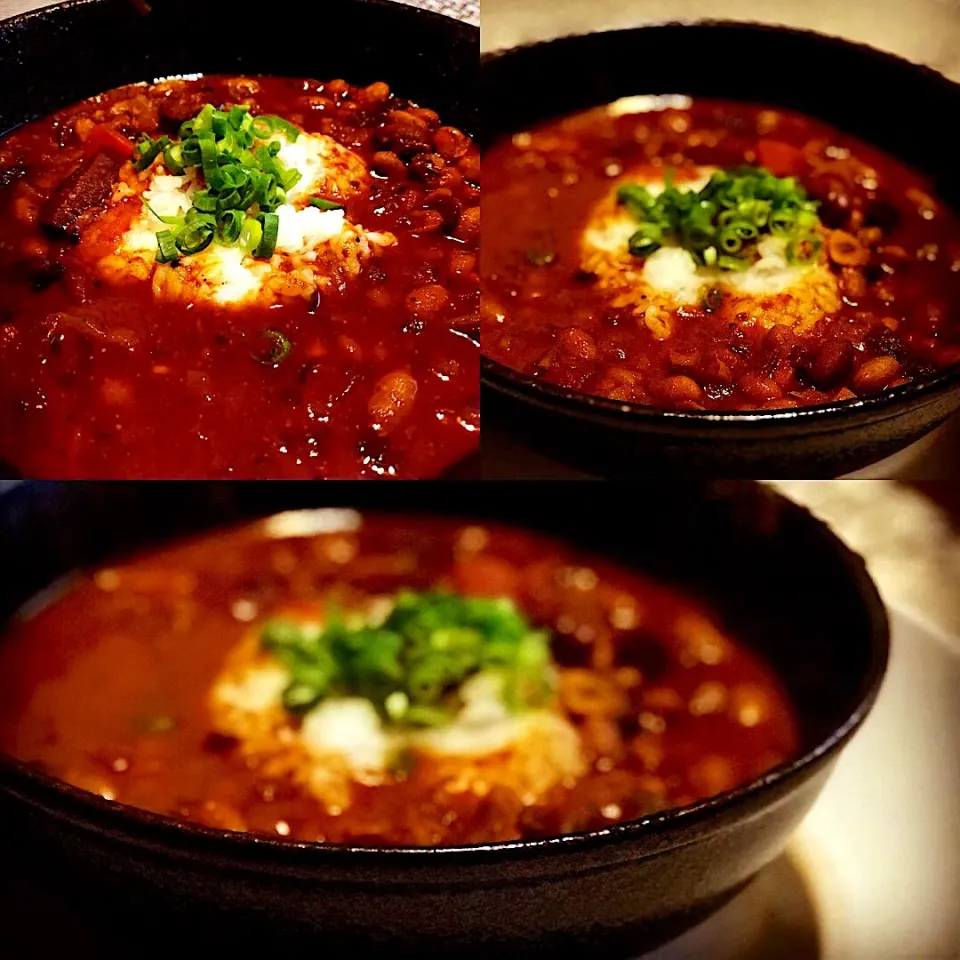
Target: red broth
{"points": [[107, 381], [107, 687], [892, 247]]}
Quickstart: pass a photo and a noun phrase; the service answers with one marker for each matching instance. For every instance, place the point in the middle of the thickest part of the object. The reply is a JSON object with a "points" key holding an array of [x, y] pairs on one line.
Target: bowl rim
{"points": [[66, 5], [111, 815], [504, 379]]}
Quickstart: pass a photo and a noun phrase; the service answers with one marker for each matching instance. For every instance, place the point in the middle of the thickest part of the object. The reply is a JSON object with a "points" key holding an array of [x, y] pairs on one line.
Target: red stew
{"points": [[108, 686], [891, 248], [108, 380]]}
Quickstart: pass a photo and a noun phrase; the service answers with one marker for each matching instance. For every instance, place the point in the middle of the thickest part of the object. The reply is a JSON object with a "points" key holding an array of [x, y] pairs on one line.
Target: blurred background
{"points": [[925, 31]]}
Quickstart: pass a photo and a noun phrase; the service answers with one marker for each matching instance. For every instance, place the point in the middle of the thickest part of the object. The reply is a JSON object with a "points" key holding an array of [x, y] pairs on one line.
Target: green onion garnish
{"points": [[268, 241], [411, 666], [322, 204], [721, 224], [167, 251], [280, 346], [244, 181], [148, 150]]}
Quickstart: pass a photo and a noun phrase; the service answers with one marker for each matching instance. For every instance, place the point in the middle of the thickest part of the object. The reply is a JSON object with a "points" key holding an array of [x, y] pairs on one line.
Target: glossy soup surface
{"points": [[884, 314], [108, 686], [104, 374]]}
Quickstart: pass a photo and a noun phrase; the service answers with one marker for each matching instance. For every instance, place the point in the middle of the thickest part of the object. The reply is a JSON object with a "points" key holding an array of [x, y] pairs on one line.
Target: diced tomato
{"points": [[781, 159], [104, 137]]}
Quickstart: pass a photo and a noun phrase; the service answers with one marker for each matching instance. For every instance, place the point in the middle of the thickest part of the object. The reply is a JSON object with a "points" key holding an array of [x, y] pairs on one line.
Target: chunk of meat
{"points": [[183, 106], [88, 187]]}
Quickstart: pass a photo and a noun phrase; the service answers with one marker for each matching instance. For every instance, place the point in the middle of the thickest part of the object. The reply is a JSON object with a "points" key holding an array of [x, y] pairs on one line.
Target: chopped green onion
{"points": [[268, 242], [205, 201], [167, 251], [250, 234], [211, 168], [237, 116], [173, 158], [720, 224], [322, 204], [148, 150], [280, 346], [279, 125], [229, 226], [411, 665], [261, 128], [244, 183], [195, 237]]}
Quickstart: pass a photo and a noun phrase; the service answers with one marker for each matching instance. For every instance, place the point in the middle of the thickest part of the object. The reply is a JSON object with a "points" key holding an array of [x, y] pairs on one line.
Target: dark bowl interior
{"points": [[59, 55], [779, 579], [889, 102]]}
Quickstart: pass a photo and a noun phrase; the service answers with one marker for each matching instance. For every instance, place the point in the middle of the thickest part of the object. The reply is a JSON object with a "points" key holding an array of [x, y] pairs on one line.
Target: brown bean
{"points": [[831, 364], [758, 387], [875, 374], [469, 166], [469, 225], [578, 343], [444, 203], [428, 300], [462, 263], [335, 88], [451, 143], [427, 167], [780, 340], [392, 400], [428, 117], [388, 164], [679, 389], [426, 221], [377, 92]]}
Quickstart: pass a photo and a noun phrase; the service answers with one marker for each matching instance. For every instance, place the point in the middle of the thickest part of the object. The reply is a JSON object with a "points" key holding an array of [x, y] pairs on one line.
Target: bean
{"points": [[779, 341], [443, 202], [427, 301], [451, 143], [428, 117], [620, 383], [377, 92], [758, 387], [392, 400], [680, 389], [875, 374], [462, 263], [426, 221], [336, 88], [427, 167], [469, 225], [831, 364], [578, 343], [469, 166]]}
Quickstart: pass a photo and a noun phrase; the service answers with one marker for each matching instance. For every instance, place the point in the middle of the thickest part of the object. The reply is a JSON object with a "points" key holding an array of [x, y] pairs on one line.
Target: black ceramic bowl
{"points": [[782, 582], [891, 103], [57, 55]]}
